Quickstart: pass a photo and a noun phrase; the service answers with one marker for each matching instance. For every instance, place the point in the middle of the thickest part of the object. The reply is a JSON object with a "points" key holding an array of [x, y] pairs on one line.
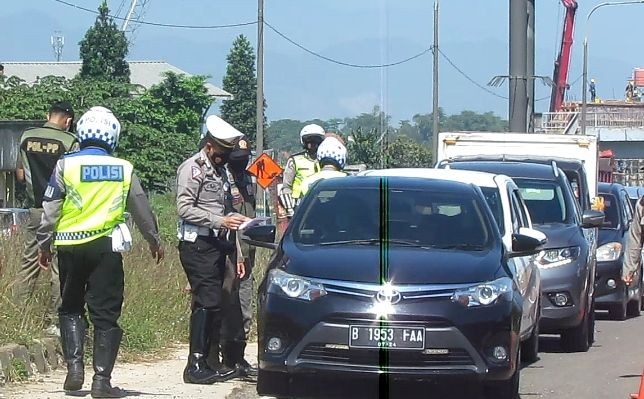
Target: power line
{"points": [[160, 24], [343, 63], [466, 76]]}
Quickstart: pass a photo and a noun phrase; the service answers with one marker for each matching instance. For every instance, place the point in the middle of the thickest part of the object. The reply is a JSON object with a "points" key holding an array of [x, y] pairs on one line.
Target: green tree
{"points": [[103, 50], [241, 82]]}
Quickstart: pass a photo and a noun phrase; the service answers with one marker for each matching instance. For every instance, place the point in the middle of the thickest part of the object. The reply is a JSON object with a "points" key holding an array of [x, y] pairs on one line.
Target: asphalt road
{"points": [[611, 369]]}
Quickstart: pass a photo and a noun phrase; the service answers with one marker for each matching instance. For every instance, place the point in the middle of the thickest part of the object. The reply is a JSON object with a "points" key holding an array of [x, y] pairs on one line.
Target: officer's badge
{"points": [[243, 144], [196, 172]]}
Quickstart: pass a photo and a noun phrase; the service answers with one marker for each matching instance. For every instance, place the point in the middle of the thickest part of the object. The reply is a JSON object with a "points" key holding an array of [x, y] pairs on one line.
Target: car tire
{"points": [[271, 383], [591, 325], [506, 389], [618, 311], [577, 339], [530, 347]]}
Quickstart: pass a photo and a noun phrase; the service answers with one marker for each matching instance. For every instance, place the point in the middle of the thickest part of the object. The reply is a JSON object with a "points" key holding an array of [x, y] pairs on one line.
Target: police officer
{"points": [[40, 149], [84, 206], [237, 323], [300, 166], [332, 157], [205, 221]]}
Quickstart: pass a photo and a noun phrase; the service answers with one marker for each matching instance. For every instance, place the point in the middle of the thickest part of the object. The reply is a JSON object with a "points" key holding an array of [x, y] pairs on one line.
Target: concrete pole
{"points": [[260, 78], [584, 103], [518, 97], [435, 111], [530, 66]]}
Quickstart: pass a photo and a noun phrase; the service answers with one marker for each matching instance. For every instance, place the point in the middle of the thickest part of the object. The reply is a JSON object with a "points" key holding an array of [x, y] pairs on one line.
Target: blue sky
{"points": [[473, 34]]}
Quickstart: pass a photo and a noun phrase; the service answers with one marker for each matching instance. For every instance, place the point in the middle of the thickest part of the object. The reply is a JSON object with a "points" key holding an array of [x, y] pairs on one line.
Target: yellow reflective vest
{"points": [[304, 167], [96, 189]]}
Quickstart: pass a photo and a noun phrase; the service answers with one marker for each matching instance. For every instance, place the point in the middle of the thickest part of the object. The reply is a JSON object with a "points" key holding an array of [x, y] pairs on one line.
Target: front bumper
{"points": [[571, 279], [449, 351], [604, 295]]}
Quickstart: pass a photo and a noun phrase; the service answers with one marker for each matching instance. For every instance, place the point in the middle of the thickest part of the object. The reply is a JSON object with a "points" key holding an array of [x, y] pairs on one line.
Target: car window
{"points": [[628, 210], [545, 200], [493, 199], [611, 211], [426, 218], [518, 209]]}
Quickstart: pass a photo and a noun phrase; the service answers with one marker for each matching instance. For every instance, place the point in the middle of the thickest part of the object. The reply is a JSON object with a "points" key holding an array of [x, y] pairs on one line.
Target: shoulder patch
{"points": [[196, 172]]}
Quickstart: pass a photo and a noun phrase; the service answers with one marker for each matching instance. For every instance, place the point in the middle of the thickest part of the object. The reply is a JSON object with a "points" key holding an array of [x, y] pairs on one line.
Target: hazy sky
{"points": [[298, 85]]}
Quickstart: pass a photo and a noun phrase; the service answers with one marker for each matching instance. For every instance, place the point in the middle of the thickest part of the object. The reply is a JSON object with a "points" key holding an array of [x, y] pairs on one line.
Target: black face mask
{"points": [[220, 158], [238, 165]]}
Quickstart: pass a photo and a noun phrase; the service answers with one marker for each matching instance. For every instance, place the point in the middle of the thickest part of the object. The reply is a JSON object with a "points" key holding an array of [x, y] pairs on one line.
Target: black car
{"points": [[612, 294], [401, 276], [568, 261]]}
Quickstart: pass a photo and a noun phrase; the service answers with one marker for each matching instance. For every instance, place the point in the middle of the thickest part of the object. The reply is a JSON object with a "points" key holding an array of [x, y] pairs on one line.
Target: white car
{"points": [[511, 214]]}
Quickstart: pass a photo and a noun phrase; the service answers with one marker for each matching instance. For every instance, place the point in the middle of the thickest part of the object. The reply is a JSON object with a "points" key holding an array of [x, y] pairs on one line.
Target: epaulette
{"points": [[200, 162]]}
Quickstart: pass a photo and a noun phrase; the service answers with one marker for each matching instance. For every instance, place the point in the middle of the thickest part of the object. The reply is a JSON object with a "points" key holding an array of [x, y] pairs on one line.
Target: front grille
{"points": [[384, 358]]}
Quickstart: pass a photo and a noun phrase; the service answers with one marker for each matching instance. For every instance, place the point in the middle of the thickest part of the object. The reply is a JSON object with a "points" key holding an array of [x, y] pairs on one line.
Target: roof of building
{"points": [[144, 73]]}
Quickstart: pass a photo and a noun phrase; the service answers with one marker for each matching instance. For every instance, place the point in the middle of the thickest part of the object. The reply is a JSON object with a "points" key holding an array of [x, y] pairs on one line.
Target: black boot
{"points": [[72, 336], [197, 371], [242, 365], [106, 347]]}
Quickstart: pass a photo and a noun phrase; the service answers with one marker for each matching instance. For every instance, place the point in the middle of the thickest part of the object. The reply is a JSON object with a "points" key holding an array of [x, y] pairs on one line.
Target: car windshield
{"points": [[544, 199], [404, 217], [611, 211], [493, 200]]}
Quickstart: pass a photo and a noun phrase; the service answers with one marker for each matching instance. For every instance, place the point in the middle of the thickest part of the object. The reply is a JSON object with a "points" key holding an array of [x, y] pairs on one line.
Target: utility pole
{"points": [[518, 97], [58, 42], [260, 77], [435, 112], [530, 66]]}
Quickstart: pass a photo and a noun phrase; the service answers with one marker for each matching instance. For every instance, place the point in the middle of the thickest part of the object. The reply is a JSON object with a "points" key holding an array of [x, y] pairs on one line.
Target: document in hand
{"points": [[258, 221]]}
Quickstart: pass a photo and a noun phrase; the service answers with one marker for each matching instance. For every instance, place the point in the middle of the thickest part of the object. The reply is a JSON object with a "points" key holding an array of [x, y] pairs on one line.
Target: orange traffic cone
{"points": [[639, 395]]}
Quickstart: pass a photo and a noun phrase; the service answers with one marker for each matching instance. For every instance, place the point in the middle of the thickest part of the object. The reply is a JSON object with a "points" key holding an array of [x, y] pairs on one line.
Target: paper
{"points": [[121, 238], [261, 220]]}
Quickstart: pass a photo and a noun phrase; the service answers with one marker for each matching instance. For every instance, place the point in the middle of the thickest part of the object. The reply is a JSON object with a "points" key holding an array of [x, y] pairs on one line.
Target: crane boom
{"points": [[562, 63]]}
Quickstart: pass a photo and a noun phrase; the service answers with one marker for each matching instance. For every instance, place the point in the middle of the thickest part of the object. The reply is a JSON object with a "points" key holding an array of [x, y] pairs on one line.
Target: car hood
{"points": [[405, 265], [609, 235], [561, 235]]}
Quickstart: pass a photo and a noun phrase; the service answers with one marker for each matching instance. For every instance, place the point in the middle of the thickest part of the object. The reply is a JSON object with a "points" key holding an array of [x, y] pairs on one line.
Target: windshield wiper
{"points": [[373, 241], [470, 247]]}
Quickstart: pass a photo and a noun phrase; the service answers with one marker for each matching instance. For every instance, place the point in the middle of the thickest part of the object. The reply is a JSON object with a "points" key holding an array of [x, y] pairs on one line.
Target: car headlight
{"points": [[293, 286], [550, 258], [609, 252], [485, 293]]}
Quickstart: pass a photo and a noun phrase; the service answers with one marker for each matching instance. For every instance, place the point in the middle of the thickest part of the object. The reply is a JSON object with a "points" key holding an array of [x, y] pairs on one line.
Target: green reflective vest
{"points": [[96, 189], [304, 167]]}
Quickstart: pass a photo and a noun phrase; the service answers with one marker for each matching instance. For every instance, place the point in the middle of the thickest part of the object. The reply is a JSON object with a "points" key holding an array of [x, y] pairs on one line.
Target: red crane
{"points": [[562, 64]]}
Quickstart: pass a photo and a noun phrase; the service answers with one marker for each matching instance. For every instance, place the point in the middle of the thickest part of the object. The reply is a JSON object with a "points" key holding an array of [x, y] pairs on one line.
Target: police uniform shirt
{"points": [[201, 192], [40, 149], [290, 171]]}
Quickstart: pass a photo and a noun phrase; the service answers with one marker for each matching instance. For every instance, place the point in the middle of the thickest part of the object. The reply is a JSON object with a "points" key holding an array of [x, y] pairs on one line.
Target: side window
{"points": [[628, 210], [525, 220], [519, 217]]}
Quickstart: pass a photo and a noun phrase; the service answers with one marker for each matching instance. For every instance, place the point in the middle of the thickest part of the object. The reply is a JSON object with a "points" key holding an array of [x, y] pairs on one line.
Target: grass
{"points": [[156, 311]]}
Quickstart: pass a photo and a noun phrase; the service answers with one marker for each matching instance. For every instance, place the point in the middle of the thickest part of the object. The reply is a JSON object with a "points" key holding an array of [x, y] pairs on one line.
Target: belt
{"points": [[206, 232]]}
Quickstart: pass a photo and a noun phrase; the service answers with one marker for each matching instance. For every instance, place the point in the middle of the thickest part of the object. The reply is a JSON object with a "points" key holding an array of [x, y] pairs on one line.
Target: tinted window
{"points": [[611, 211], [493, 200], [422, 217], [544, 199]]}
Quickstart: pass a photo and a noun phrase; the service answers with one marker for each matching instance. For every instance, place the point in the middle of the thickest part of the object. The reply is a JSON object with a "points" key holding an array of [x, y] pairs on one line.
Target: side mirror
{"points": [[260, 236], [527, 242], [591, 218]]}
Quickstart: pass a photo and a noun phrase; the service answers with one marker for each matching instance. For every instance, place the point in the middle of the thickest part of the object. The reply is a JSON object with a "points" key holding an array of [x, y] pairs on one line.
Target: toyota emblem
{"points": [[388, 295]]}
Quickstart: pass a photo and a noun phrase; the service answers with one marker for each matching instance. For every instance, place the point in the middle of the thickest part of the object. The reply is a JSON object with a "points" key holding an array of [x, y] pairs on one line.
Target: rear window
{"points": [[544, 199], [422, 217], [611, 211]]}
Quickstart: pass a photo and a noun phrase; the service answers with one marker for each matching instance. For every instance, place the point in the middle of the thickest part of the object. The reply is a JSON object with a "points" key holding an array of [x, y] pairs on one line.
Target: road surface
{"points": [[610, 370]]}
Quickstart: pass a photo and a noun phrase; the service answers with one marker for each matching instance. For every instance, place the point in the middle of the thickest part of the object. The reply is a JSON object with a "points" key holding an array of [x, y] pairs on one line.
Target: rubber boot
{"points": [[233, 357], [72, 336], [106, 347], [197, 370]]}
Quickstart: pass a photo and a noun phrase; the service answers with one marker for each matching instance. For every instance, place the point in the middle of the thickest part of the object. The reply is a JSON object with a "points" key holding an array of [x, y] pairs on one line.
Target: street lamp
{"points": [[584, 104]]}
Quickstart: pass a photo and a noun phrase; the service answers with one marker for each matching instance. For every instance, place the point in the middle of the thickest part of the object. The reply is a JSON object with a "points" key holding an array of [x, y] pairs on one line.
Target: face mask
{"points": [[219, 158]]}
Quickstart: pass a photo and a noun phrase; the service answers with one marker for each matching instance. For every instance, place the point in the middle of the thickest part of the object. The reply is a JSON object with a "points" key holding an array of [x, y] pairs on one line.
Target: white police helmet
{"points": [[332, 149], [311, 130], [99, 125], [223, 132]]}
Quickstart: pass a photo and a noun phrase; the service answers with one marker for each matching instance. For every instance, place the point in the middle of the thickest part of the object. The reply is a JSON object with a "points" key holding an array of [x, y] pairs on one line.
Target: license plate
{"points": [[387, 337]]}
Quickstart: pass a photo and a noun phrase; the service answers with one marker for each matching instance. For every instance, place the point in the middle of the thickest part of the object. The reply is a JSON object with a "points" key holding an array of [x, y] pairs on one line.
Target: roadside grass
{"points": [[156, 310]]}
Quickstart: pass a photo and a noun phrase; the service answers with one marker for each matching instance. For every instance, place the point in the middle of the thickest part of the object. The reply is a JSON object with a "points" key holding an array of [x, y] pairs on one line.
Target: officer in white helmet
{"points": [[332, 157], [84, 210], [206, 216], [300, 166]]}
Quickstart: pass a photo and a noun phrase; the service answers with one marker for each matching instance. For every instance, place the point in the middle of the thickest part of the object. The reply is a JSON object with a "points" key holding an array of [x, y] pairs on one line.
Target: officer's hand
{"points": [[44, 258], [187, 289], [628, 279], [241, 269], [157, 253], [234, 220]]}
